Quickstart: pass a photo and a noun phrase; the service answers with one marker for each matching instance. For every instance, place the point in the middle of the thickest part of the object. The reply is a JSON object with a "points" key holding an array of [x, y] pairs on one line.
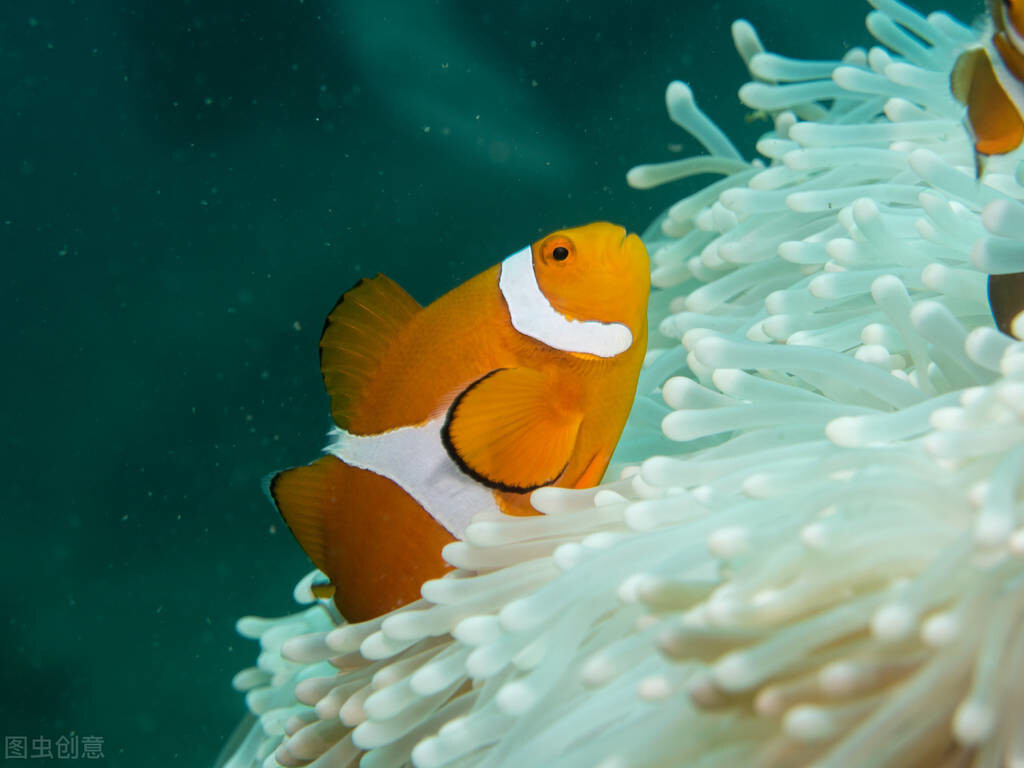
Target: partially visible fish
{"points": [[989, 80], [1006, 298], [519, 378]]}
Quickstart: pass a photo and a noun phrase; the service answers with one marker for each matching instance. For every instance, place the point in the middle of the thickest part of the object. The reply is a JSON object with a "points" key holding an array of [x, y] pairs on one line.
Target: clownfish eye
{"points": [[558, 249]]}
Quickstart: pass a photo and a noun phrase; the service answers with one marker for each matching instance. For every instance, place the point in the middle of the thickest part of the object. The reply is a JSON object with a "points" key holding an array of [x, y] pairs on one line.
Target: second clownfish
{"points": [[989, 80], [521, 377]]}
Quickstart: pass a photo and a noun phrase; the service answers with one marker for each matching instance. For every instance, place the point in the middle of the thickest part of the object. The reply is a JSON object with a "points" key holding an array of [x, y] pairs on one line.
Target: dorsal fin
{"points": [[357, 333]]}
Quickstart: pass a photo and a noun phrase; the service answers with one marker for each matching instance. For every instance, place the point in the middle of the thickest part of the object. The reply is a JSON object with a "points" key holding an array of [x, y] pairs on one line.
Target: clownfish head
{"points": [[597, 272]]}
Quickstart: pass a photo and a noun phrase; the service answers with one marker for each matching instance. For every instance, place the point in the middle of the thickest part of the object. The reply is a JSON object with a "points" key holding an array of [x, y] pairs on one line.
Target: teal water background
{"points": [[187, 188]]}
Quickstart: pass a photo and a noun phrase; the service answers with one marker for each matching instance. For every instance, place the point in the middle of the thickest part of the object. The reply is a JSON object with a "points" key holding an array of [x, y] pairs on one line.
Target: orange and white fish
{"points": [[989, 80], [519, 378]]}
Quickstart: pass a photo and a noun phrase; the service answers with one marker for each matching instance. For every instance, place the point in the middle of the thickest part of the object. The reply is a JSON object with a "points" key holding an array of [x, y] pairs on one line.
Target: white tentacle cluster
{"points": [[827, 564]]}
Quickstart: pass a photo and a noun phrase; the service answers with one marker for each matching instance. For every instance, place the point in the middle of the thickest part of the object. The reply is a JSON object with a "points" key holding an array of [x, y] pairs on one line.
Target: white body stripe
{"points": [[415, 459], [533, 315], [1015, 38], [1013, 87]]}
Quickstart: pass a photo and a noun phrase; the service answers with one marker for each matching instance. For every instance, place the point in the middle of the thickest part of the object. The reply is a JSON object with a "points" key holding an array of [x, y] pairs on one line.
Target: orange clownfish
{"points": [[989, 80], [519, 378]]}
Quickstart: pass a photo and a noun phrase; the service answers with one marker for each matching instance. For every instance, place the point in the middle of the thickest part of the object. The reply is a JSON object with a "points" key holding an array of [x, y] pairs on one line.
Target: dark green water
{"points": [[187, 187]]}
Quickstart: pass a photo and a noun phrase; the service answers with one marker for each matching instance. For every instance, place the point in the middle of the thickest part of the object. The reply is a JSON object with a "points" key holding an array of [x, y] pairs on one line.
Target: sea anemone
{"points": [[827, 563]]}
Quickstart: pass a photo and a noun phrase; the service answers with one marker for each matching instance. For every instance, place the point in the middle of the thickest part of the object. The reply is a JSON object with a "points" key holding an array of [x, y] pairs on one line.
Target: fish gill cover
{"points": [[813, 550]]}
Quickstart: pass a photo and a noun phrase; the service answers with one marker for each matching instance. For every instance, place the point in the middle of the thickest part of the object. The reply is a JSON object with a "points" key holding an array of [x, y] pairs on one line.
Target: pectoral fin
{"points": [[993, 119], [512, 430]]}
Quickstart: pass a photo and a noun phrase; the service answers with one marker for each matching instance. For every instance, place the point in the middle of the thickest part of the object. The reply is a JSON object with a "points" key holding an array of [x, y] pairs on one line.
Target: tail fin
{"points": [[371, 538], [305, 497]]}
